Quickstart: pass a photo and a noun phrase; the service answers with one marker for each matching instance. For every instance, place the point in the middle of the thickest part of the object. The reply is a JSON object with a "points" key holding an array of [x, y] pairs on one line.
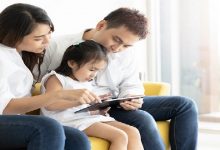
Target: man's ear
{"points": [[101, 24], [71, 64]]}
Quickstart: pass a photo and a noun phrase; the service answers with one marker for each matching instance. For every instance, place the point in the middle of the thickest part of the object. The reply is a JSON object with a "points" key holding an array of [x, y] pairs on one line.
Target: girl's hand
{"points": [[105, 96], [83, 96], [134, 104]]}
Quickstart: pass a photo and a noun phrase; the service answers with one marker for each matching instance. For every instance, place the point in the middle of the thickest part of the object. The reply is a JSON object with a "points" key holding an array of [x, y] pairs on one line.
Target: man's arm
{"points": [[130, 83]]}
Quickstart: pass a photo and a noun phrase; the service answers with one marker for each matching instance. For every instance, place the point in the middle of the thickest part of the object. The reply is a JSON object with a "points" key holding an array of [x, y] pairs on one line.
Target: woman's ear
{"points": [[71, 64], [102, 24]]}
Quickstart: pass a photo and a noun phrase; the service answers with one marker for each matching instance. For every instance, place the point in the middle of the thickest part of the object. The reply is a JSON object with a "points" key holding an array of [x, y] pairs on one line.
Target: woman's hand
{"points": [[134, 104]]}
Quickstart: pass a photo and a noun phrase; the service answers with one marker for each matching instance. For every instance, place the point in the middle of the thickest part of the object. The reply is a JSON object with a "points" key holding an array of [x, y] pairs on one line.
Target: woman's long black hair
{"points": [[19, 20]]}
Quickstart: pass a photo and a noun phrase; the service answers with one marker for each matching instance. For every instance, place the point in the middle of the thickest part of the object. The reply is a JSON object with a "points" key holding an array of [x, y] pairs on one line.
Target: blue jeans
{"points": [[39, 133], [182, 113]]}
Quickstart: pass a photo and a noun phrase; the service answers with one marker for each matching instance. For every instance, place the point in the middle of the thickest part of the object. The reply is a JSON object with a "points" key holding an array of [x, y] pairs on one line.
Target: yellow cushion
{"points": [[99, 144]]}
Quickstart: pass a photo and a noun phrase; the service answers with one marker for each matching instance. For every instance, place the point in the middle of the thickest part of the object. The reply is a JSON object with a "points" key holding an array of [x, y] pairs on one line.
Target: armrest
{"points": [[36, 89], [156, 88]]}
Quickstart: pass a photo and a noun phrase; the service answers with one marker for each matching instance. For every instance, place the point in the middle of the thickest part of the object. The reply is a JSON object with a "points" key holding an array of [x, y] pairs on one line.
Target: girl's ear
{"points": [[71, 64]]}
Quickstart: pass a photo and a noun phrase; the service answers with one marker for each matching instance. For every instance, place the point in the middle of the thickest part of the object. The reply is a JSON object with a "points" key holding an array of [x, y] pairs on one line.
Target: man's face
{"points": [[114, 39]]}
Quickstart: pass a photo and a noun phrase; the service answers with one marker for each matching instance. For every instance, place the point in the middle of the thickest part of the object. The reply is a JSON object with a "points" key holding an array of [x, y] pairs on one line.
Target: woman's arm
{"points": [[26, 104], [54, 85], [54, 99]]}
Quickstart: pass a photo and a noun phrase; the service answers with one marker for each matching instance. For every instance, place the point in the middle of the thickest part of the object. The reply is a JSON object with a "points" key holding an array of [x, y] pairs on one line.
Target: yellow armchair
{"points": [[151, 89]]}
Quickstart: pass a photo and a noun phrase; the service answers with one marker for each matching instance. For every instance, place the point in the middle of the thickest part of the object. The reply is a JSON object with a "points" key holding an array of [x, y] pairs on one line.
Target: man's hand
{"points": [[103, 112], [134, 104]]}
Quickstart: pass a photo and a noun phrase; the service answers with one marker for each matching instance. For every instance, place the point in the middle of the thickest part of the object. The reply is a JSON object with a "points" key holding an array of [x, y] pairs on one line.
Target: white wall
{"points": [[72, 16]]}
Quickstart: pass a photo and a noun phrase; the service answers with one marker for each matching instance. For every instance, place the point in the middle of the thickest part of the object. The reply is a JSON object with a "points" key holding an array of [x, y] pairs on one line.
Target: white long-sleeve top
{"points": [[15, 78], [120, 76]]}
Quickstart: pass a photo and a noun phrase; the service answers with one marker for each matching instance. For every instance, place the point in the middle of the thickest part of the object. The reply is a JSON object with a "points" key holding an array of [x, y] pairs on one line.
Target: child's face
{"points": [[88, 71]]}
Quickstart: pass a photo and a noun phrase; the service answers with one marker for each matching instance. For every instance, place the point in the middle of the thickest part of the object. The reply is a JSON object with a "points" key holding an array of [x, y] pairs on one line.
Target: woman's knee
{"points": [[45, 131], [76, 139], [48, 126]]}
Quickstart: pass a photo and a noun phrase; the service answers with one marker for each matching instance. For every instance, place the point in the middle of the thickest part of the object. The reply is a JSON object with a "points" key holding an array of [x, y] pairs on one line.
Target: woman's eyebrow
{"points": [[38, 36]]}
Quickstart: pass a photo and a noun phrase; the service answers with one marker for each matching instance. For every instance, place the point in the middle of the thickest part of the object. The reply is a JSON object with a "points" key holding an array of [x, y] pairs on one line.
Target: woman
{"points": [[24, 34]]}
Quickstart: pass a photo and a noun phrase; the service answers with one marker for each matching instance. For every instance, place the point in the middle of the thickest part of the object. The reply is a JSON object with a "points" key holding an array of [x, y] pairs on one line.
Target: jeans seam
{"points": [[174, 132]]}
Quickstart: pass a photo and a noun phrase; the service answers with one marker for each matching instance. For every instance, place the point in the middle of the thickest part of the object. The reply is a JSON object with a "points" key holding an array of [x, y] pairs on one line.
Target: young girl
{"points": [[80, 65]]}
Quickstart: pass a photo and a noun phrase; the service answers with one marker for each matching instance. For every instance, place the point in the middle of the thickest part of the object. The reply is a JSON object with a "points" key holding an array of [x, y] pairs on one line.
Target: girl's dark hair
{"points": [[19, 20], [81, 54], [130, 18]]}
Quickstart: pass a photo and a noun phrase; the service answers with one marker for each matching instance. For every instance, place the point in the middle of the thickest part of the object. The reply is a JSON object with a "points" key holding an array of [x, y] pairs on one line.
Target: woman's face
{"points": [[37, 40]]}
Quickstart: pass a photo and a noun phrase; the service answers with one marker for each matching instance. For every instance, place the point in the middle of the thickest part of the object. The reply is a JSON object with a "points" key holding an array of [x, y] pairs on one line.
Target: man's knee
{"points": [[187, 105], [145, 121]]}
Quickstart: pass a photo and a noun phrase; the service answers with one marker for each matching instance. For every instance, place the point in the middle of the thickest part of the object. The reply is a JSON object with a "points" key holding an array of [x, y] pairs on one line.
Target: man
{"points": [[118, 31]]}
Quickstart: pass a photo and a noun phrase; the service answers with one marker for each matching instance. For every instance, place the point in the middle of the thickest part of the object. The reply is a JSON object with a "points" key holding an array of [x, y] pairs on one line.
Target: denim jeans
{"points": [[182, 113], [76, 139], [39, 133]]}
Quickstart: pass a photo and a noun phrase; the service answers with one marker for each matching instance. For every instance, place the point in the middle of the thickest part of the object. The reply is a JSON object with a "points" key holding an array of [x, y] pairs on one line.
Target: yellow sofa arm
{"points": [[36, 89], [156, 88]]}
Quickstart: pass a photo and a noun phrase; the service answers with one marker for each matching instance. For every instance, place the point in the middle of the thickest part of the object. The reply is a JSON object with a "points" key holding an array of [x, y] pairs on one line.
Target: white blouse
{"points": [[16, 79], [68, 117]]}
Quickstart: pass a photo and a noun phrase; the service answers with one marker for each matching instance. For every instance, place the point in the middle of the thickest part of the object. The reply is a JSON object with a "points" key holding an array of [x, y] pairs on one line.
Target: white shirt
{"points": [[68, 117], [121, 75], [15, 78]]}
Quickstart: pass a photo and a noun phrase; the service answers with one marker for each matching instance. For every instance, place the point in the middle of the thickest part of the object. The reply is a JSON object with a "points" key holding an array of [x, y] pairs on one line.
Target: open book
{"points": [[107, 103]]}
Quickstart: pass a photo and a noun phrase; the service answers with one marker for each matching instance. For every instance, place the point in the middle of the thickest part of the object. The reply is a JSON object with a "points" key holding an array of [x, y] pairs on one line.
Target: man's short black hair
{"points": [[130, 18]]}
